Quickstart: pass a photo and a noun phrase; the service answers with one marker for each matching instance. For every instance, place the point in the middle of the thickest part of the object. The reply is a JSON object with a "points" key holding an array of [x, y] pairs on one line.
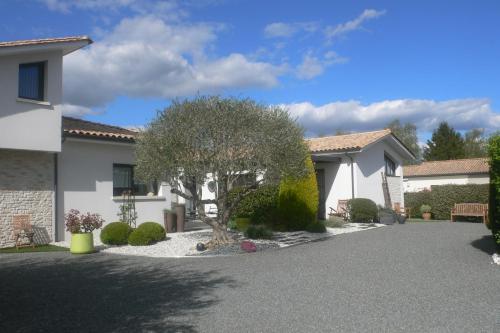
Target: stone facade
{"points": [[26, 187]]}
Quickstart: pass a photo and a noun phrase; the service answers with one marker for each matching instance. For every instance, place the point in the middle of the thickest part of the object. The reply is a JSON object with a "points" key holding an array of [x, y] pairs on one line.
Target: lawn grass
{"points": [[37, 248]]}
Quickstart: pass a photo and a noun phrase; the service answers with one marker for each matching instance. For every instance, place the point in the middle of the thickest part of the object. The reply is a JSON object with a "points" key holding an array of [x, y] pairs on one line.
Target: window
{"points": [[31, 81], [123, 180], [390, 166]]}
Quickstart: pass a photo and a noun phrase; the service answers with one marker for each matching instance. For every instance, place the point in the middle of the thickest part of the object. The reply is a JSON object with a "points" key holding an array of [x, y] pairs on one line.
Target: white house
{"points": [[359, 165], [49, 163], [460, 172]]}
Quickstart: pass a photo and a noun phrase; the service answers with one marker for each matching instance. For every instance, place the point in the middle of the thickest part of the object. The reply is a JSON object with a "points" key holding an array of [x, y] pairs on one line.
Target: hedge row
{"points": [[494, 218], [442, 198]]}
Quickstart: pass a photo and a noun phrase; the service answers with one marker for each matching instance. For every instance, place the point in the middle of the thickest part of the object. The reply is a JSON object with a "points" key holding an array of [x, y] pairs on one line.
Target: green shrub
{"points": [[242, 223], [260, 206], [258, 232], [494, 188], [415, 200], [335, 222], [316, 227], [442, 198], [298, 200], [425, 209], [232, 224], [116, 233], [146, 234], [362, 210]]}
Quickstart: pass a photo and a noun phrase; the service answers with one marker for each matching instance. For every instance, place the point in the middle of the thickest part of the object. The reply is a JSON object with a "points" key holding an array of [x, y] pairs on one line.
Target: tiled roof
{"points": [[345, 142], [87, 129], [449, 167], [45, 41]]}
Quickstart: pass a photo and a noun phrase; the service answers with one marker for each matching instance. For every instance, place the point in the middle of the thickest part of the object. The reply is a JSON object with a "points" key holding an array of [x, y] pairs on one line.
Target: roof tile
{"points": [[42, 41], [345, 142], [84, 128], [448, 167]]}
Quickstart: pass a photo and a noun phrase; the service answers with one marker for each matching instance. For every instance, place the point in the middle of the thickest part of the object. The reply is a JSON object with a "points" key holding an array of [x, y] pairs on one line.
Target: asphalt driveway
{"points": [[433, 277]]}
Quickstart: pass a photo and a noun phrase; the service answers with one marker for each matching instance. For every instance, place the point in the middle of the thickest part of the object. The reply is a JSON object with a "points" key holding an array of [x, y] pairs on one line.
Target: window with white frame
{"points": [[390, 166]]}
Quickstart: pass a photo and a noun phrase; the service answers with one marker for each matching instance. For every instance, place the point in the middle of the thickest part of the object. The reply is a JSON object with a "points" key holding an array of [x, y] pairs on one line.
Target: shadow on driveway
{"points": [[102, 293], [485, 244]]}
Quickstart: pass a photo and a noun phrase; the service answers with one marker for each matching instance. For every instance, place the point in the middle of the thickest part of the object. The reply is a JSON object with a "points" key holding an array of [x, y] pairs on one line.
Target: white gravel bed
{"points": [[184, 244], [496, 258]]}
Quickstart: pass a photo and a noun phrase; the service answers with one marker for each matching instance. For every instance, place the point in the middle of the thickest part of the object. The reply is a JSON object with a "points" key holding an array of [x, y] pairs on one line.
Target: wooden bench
{"points": [[470, 209]]}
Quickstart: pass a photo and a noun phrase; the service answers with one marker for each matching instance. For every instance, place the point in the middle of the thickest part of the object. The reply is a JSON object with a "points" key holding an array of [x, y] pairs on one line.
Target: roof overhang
{"points": [[65, 45]]}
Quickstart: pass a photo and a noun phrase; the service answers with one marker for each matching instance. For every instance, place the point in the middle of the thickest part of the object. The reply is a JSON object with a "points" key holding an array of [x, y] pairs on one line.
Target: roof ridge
{"points": [[455, 160], [96, 123], [355, 133]]}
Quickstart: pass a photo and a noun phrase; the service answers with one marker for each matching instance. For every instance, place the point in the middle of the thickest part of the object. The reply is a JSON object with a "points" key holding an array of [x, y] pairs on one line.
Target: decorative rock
{"points": [[200, 247], [248, 246]]}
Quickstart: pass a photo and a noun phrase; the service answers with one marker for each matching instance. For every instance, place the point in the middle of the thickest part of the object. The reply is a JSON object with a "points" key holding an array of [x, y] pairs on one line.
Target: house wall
{"points": [[369, 167], [337, 181], [85, 182], [31, 125], [26, 187], [416, 184]]}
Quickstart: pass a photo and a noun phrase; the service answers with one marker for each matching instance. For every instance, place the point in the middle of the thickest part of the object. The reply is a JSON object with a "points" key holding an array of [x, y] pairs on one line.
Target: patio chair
{"points": [[23, 231], [341, 210]]}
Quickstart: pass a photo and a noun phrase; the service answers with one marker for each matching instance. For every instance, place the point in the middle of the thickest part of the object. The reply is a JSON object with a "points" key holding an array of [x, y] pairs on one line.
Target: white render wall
{"points": [[26, 125], [85, 182], [369, 167], [337, 182], [416, 184]]}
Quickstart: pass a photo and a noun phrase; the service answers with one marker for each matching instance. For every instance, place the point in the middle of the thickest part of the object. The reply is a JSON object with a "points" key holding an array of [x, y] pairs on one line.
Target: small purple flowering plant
{"points": [[78, 223]]}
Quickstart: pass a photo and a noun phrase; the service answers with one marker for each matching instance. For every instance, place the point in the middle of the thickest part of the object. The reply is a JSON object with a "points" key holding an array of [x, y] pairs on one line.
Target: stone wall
{"points": [[26, 187]]}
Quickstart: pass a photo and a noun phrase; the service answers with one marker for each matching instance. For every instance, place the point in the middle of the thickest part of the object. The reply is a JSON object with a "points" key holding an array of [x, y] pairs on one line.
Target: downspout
{"points": [[352, 174], [56, 199]]}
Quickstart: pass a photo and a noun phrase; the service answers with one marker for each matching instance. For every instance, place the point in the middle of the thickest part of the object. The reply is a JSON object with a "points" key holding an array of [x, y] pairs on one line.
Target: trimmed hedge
{"points": [[298, 200], [362, 210], [258, 232], [260, 206], [316, 227], [116, 233], [442, 198], [146, 234], [494, 188]]}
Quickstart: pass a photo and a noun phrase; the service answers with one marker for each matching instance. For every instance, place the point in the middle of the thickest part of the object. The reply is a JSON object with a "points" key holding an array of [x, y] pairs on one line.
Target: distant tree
{"points": [[220, 140], [445, 144], [475, 143], [407, 133]]}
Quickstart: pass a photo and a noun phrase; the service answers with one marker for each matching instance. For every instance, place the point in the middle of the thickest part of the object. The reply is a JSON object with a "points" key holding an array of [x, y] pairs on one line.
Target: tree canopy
{"points": [[210, 138], [445, 144], [407, 133], [475, 143]]}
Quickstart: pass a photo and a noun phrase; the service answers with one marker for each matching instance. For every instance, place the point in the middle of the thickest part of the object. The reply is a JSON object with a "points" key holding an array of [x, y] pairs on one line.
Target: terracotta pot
{"points": [[426, 216]]}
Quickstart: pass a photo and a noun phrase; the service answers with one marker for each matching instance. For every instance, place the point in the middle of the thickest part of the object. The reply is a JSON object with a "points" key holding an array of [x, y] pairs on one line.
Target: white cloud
{"points": [[146, 57], [280, 29], [310, 68], [313, 66], [352, 115], [343, 28], [75, 110]]}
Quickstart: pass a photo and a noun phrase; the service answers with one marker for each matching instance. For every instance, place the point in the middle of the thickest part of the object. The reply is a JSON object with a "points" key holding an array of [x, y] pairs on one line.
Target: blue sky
{"points": [[334, 64]]}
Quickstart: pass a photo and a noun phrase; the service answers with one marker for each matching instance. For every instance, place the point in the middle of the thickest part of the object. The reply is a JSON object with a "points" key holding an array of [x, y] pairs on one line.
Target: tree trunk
{"points": [[220, 235]]}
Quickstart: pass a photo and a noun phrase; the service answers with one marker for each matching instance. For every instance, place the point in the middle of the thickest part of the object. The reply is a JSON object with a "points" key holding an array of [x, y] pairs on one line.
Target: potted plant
{"points": [[386, 216], [426, 212], [81, 227]]}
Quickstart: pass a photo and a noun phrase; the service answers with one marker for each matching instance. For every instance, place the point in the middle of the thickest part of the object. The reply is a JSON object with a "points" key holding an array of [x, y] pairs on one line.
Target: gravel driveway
{"points": [[419, 277]]}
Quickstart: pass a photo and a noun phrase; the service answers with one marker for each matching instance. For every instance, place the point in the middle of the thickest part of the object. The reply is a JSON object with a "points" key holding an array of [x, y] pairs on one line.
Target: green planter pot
{"points": [[82, 243], [242, 223]]}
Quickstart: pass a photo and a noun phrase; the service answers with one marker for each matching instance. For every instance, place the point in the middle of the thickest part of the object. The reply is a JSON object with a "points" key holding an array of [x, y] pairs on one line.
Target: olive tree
{"points": [[210, 138]]}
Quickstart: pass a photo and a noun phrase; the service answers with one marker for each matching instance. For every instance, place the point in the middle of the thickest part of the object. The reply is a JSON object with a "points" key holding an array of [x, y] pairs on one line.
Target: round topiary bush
{"points": [[146, 234], [317, 227], [362, 210], [116, 233], [298, 200]]}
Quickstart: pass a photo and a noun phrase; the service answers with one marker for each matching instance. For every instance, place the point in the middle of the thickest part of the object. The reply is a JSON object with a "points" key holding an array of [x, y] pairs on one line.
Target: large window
{"points": [[31, 81], [123, 180], [390, 166]]}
